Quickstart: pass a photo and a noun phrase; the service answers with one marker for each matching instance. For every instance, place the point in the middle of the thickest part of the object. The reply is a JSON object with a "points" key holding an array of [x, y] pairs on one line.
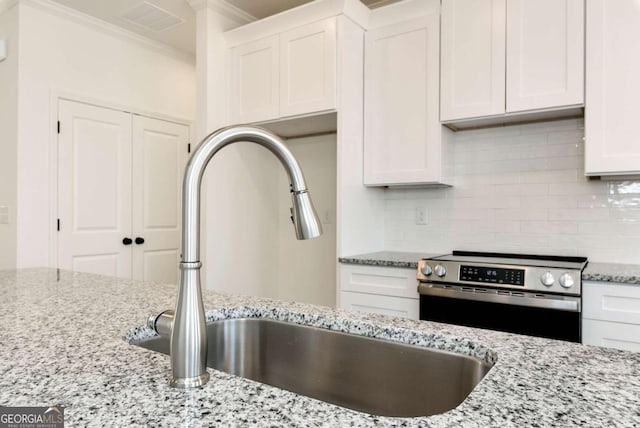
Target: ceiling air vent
{"points": [[151, 17]]}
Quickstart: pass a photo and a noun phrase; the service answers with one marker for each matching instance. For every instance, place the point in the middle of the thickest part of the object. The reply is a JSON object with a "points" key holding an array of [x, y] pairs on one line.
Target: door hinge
{"points": [[58, 225], [58, 127], [188, 147]]}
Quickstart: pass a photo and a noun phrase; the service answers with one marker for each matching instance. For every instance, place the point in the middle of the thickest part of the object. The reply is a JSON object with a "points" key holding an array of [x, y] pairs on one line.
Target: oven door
{"points": [[543, 315]]}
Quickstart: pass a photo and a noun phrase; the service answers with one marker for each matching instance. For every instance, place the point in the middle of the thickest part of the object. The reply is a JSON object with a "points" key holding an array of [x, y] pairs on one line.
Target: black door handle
{"points": [[139, 240], [127, 241]]}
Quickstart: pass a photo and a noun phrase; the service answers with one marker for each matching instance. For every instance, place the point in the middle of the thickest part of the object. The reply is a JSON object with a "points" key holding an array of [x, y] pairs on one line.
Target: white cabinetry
{"points": [[292, 73], [533, 48], [308, 68], [402, 132], [611, 315], [473, 58], [382, 290], [255, 81], [612, 87]]}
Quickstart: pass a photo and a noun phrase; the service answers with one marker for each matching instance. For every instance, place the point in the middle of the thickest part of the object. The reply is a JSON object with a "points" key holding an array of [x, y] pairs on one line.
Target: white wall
{"points": [[307, 269], [521, 189], [240, 200], [62, 52], [8, 135]]}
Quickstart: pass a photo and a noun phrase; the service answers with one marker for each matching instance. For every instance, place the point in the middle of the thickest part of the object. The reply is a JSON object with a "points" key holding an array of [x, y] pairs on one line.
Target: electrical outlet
{"points": [[326, 217], [421, 216], [4, 215]]}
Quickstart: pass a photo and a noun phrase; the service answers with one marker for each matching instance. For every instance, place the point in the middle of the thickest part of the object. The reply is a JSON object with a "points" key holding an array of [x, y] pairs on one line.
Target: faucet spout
{"points": [[188, 334]]}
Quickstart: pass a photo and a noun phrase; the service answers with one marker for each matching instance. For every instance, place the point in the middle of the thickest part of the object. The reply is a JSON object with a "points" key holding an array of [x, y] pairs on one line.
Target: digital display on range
{"points": [[492, 275]]}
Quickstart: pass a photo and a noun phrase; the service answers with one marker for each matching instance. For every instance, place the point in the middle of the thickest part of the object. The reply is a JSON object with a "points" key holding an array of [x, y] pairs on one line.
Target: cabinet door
{"points": [[308, 68], [611, 334], [159, 155], [611, 315], [473, 58], [94, 189], [545, 54], [385, 305], [612, 87], [255, 81], [401, 126], [611, 302], [387, 281]]}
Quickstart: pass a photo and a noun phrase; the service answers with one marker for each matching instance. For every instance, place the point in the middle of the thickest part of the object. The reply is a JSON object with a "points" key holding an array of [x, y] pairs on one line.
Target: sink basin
{"points": [[360, 373]]}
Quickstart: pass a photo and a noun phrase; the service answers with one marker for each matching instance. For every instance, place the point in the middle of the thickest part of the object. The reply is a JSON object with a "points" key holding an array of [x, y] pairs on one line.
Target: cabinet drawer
{"points": [[386, 281], [611, 302], [611, 334], [385, 305]]}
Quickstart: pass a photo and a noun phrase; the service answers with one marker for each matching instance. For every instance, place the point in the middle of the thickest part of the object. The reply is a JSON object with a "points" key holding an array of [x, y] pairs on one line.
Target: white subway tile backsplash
{"points": [[579, 214], [549, 227], [520, 189], [561, 176], [549, 201], [522, 214]]}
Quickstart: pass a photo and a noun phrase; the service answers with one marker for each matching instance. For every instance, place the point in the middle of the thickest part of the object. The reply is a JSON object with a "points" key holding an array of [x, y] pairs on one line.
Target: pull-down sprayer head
{"points": [[305, 218]]}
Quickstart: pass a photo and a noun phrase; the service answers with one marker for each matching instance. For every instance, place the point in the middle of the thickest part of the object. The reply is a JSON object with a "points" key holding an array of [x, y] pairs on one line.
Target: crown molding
{"points": [[224, 8], [107, 28], [7, 5]]}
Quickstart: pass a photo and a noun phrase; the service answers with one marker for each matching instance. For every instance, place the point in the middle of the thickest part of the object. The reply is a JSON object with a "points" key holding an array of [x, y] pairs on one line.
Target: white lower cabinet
{"points": [[611, 315], [380, 290]]}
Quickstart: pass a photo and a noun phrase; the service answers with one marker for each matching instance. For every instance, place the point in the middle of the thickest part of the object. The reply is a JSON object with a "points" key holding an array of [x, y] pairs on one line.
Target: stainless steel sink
{"points": [[369, 375]]}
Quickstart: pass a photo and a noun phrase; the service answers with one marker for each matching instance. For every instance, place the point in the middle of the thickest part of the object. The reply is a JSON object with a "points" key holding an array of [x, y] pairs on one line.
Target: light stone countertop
{"points": [[387, 258], [62, 342], [604, 272]]}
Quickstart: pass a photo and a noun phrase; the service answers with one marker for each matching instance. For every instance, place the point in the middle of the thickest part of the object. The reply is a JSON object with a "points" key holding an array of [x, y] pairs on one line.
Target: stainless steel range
{"points": [[518, 293]]}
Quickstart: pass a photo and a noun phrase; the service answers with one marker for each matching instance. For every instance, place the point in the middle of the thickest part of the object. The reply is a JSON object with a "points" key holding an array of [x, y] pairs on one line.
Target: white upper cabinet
{"points": [[502, 57], [613, 88], [473, 58], [402, 131], [308, 68], [255, 81], [545, 54], [289, 74]]}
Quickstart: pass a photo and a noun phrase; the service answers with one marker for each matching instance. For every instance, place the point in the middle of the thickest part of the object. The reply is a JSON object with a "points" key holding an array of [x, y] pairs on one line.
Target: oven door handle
{"points": [[562, 303]]}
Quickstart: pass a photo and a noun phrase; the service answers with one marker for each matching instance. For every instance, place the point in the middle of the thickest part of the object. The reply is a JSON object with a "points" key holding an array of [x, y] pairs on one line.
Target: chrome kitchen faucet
{"points": [[188, 331]]}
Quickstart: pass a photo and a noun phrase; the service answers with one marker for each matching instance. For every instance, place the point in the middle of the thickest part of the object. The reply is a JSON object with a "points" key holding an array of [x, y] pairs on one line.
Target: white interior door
{"points": [[159, 155], [94, 189]]}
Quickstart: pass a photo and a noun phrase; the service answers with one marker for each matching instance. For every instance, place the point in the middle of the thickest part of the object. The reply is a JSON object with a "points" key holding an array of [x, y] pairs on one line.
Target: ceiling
{"points": [[183, 35]]}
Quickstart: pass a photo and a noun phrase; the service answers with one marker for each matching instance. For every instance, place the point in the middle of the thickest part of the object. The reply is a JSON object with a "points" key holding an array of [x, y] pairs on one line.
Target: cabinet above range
{"points": [[507, 61]]}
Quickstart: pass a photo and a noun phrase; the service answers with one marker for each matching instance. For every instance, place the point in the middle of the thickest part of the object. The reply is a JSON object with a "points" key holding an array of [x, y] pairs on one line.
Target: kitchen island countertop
{"points": [[63, 342]]}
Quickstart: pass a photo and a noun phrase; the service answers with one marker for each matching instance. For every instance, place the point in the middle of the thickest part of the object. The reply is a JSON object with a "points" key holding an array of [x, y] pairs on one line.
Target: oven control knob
{"points": [[426, 270], [566, 280], [547, 279], [440, 270]]}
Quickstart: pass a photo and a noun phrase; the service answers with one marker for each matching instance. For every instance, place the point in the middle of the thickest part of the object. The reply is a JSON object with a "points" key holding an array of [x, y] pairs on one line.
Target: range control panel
{"points": [[493, 275]]}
